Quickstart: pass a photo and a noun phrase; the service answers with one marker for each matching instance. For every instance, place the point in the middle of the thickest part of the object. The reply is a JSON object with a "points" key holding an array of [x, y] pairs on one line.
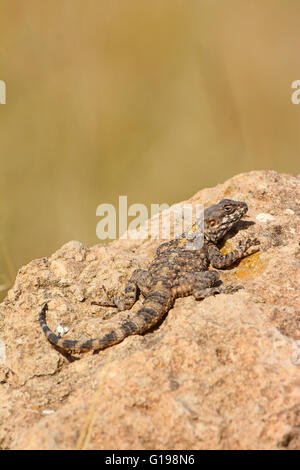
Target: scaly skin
{"points": [[174, 272]]}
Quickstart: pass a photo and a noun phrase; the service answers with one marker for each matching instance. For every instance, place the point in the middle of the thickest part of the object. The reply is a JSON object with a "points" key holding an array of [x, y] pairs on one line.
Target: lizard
{"points": [[174, 272]]}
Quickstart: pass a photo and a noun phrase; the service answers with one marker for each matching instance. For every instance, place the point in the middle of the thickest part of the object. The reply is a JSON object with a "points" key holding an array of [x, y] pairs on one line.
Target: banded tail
{"points": [[153, 309]]}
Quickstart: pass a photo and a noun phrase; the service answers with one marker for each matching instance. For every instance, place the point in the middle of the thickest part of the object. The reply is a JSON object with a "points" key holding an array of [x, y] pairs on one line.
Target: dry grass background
{"points": [[153, 99]]}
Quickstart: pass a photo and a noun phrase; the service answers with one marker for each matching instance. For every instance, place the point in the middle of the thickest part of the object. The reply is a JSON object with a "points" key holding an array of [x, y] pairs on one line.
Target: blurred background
{"points": [[153, 99]]}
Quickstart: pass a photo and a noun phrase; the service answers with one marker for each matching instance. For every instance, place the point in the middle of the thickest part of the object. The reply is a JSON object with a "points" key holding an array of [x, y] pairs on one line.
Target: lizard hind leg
{"points": [[207, 285], [210, 285], [200, 293], [195, 283]]}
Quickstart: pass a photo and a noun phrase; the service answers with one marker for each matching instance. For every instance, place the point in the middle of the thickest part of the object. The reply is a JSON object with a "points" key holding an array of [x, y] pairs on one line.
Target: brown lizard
{"points": [[174, 272]]}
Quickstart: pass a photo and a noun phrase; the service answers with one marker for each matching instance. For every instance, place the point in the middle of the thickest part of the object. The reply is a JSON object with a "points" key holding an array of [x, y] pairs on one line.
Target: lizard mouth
{"points": [[243, 210]]}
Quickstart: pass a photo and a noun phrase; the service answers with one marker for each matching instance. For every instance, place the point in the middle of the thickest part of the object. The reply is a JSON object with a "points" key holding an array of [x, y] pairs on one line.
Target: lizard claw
{"points": [[231, 289], [105, 303], [252, 246], [249, 243], [252, 242]]}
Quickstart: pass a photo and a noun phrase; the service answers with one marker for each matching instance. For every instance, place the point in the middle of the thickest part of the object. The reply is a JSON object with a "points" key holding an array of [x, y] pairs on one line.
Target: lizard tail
{"points": [[113, 337], [148, 315]]}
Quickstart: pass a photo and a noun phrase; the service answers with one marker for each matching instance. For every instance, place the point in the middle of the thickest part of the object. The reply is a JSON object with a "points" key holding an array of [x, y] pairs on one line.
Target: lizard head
{"points": [[219, 219]]}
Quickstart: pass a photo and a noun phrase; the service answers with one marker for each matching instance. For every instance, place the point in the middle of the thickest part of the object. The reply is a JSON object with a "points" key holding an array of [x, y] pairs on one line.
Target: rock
{"points": [[223, 373]]}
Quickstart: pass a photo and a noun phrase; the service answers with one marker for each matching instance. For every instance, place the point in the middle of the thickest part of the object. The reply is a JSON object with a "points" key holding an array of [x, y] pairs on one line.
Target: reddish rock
{"points": [[223, 373]]}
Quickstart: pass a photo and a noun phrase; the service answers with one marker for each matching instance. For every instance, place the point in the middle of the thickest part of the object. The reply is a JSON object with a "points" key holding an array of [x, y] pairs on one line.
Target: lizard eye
{"points": [[212, 223], [227, 208]]}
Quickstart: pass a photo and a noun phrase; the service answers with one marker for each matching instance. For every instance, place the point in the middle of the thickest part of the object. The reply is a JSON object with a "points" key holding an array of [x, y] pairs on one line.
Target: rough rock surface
{"points": [[223, 373]]}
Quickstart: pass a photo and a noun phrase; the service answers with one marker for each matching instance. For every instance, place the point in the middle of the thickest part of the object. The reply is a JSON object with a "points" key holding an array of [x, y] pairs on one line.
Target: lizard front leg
{"points": [[220, 261]]}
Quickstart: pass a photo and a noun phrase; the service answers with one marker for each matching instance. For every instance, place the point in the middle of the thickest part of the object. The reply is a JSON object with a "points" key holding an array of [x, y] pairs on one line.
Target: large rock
{"points": [[223, 373]]}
